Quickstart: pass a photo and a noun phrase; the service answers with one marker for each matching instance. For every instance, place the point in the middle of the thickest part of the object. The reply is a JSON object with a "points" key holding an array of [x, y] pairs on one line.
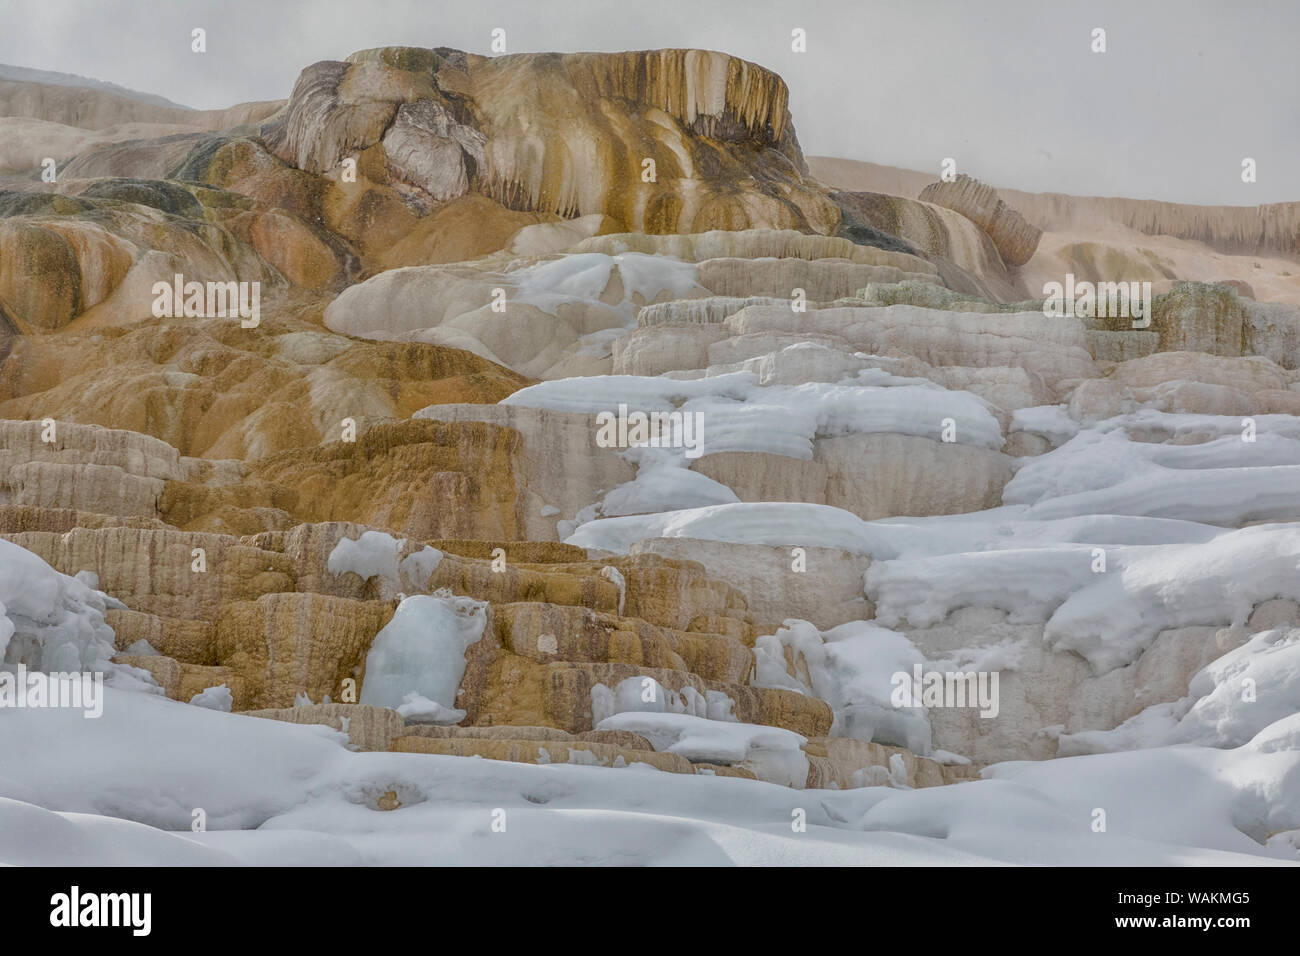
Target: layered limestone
{"points": [[1110, 239], [298, 643], [451, 156], [420, 479], [537, 133], [788, 356], [827, 592], [212, 389], [1214, 318], [1054, 351], [155, 571], [755, 244], [555, 316], [367, 728], [1245, 229], [936, 230], [1015, 238], [425, 479], [274, 618], [873, 475], [545, 751], [710, 310], [274, 492], [559, 694], [1233, 229], [880, 476], [1196, 317], [560, 467], [544, 317], [579, 634], [844, 763], [1247, 373], [820, 279], [739, 106]]}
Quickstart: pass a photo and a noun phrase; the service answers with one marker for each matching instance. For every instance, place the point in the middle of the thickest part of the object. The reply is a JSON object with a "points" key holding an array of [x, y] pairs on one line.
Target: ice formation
{"points": [[421, 651]]}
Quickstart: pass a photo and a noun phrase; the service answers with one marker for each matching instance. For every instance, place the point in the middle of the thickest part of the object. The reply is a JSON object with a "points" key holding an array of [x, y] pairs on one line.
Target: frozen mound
{"points": [[420, 653], [50, 621], [1090, 594], [1106, 610], [376, 554], [775, 523], [851, 667], [1103, 470], [1083, 619], [772, 754], [1229, 702]]}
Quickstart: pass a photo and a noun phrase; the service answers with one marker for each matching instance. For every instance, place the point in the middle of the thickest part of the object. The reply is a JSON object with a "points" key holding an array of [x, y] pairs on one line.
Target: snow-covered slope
{"points": [[124, 789]]}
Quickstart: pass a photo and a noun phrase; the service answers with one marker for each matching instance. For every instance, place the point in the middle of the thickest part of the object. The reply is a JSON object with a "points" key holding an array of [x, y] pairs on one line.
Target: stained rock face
{"points": [[533, 133], [212, 389], [937, 230]]}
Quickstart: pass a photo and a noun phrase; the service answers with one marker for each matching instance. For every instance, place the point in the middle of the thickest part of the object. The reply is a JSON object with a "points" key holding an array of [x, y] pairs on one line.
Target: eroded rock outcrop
{"points": [[1014, 238], [97, 256]]}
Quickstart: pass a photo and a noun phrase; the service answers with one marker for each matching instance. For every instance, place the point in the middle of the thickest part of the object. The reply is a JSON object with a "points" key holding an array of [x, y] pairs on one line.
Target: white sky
{"points": [[1010, 88]]}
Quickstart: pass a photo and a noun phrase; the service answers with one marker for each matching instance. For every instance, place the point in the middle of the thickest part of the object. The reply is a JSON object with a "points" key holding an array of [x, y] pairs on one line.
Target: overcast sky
{"points": [[1009, 88]]}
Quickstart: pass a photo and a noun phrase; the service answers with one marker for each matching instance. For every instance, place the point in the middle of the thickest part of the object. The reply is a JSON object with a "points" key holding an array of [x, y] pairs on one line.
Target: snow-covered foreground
{"points": [[1209, 776], [124, 789]]}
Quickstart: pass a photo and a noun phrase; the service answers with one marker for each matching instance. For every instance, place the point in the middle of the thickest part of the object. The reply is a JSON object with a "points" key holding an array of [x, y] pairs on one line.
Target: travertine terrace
{"points": [[380, 505]]}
